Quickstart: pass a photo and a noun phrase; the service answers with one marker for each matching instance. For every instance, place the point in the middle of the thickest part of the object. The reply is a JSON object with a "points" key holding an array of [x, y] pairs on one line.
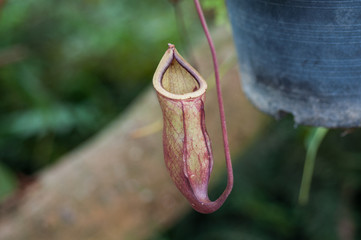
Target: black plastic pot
{"points": [[301, 57]]}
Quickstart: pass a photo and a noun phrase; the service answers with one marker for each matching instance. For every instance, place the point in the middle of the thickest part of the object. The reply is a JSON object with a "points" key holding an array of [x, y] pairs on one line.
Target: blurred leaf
{"points": [[59, 119], [219, 7], [7, 182]]}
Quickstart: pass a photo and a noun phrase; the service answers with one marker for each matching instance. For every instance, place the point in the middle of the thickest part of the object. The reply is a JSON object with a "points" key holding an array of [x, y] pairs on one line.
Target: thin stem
{"points": [[220, 99], [313, 145]]}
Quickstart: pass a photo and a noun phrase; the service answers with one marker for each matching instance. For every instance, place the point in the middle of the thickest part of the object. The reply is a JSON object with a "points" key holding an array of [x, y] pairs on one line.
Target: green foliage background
{"points": [[67, 68]]}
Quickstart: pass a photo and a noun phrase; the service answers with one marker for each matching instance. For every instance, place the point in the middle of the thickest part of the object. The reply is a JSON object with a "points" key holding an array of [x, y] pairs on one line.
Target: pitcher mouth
{"points": [[169, 57]]}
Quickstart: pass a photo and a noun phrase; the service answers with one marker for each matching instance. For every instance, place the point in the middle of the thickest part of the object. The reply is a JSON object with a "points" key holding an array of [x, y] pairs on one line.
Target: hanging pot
{"points": [[301, 57]]}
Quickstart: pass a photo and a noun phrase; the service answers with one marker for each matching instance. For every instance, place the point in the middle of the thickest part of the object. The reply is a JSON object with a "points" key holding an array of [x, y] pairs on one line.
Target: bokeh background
{"points": [[68, 68]]}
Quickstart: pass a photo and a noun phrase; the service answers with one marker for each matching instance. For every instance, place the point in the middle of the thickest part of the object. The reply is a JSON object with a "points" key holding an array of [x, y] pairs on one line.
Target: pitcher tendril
{"points": [[186, 144], [219, 96]]}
